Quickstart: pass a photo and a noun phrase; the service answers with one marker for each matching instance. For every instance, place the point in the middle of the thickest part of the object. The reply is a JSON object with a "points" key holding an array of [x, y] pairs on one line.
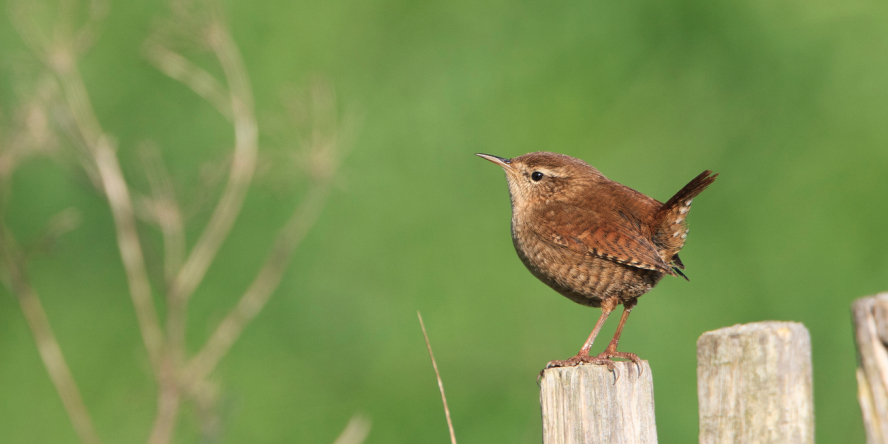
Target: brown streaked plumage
{"points": [[595, 241]]}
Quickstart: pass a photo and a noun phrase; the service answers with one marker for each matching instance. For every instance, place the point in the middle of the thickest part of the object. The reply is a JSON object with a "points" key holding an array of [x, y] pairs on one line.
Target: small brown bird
{"points": [[595, 241]]}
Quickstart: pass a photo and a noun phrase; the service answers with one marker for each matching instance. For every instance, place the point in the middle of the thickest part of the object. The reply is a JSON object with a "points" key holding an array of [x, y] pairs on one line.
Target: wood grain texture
{"points": [[870, 317], [589, 404], [754, 384]]}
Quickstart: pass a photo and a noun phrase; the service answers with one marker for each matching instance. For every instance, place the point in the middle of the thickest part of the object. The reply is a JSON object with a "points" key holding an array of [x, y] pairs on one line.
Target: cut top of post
{"points": [[754, 384], [589, 404]]}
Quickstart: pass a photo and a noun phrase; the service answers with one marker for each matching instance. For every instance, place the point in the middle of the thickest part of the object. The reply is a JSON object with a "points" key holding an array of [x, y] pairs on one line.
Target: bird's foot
{"points": [[582, 359], [577, 360], [622, 355], [613, 353]]}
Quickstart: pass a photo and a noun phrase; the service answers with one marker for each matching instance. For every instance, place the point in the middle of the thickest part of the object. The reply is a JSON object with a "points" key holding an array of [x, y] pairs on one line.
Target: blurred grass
{"points": [[787, 100]]}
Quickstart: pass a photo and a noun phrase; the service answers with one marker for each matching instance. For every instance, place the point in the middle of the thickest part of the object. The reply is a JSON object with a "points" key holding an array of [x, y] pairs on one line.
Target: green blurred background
{"points": [[787, 100]]}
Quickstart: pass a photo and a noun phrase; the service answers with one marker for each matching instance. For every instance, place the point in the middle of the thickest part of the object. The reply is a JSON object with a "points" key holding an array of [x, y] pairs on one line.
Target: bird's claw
{"points": [[607, 354], [578, 360]]}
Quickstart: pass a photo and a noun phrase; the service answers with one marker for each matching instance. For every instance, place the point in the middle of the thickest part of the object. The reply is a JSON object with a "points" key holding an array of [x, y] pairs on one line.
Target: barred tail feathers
{"points": [[670, 221]]}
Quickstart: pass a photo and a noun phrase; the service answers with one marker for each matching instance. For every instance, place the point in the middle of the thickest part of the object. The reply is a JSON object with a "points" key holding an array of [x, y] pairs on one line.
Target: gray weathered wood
{"points": [[590, 404], [754, 384], [870, 316]]}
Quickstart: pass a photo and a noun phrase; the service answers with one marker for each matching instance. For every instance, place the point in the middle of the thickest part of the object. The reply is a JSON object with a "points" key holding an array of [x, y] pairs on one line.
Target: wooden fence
{"points": [[754, 385]]}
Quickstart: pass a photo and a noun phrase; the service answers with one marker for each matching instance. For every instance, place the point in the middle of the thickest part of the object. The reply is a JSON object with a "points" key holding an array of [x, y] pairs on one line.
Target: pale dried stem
{"points": [[64, 26], [115, 188], [242, 167], [257, 295], [183, 273], [46, 342], [165, 211], [206, 397], [32, 133], [201, 82], [198, 261], [169, 397], [87, 35], [31, 35], [438, 377]]}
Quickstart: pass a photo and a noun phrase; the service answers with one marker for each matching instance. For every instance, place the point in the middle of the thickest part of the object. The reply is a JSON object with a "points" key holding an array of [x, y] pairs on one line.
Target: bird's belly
{"points": [[583, 278]]}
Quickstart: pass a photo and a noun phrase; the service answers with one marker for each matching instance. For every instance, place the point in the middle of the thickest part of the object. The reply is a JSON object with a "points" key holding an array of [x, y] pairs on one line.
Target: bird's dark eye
{"points": [[536, 176]]}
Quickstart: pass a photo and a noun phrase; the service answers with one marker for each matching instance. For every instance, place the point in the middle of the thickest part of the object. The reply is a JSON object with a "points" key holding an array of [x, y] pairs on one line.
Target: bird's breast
{"points": [[577, 275]]}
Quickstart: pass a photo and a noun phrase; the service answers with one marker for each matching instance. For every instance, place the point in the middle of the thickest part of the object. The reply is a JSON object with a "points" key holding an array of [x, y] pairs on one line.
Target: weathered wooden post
{"points": [[870, 316], [754, 384], [590, 404]]}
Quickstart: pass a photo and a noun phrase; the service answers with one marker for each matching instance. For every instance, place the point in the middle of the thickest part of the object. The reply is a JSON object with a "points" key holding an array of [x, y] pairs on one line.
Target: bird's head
{"points": [[544, 176]]}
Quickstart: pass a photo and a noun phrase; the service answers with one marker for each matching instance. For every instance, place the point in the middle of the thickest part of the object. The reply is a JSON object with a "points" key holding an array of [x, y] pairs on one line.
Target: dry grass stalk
{"points": [[440, 382]]}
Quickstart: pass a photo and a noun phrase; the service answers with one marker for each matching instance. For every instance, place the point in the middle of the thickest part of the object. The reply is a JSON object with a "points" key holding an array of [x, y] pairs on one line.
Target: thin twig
{"points": [[206, 402], [257, 295], [176, 382], [117, 192], [199, 80], [62, 61], [169, 397], [31, 34], [87, 35], [324, 153], [242, 167], [437, 375], [47, 344], [163, 209], [130, 249]]}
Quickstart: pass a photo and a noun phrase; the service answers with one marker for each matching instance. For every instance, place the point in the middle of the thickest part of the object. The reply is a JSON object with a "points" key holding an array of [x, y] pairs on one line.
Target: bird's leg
{"points": [[611, 350], [605, 312], [607, 306]]}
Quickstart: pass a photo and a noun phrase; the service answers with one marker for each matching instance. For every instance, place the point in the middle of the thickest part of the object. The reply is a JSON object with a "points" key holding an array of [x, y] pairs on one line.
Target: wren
{"points": [[593, 240]]}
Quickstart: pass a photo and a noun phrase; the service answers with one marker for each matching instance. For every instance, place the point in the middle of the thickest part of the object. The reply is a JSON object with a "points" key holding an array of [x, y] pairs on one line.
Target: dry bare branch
{"points": [[438, 376], [62, 61], [87, 35], [47, 345], [178, 382], [242, 167], [206, 399], [32, 133], [257, 295], [169, 398], [130, 249], [163, 209], [33, 136], [22, 14], [238, 107], [328, 139], [323, 154], [179, 68]]}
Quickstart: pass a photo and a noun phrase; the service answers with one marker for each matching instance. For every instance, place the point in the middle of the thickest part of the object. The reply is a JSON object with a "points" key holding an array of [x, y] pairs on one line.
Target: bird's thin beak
{"points": [[505, 163]]}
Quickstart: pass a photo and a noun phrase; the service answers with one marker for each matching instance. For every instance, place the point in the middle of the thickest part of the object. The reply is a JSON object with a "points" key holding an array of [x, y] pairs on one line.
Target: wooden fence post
{"points": [[754, 384], [870, 316], [590, 404]]}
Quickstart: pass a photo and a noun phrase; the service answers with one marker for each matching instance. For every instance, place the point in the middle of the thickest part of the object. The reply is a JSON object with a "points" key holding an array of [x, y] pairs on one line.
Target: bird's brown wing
{"points": [[616, 239]]}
